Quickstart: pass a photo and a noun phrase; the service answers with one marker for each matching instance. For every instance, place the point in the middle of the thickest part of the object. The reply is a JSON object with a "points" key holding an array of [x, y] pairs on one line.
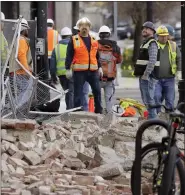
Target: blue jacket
{"points": [[53, 61]]}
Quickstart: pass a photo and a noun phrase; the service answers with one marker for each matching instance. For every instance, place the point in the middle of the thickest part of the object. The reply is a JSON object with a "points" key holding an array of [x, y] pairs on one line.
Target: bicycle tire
{"points": [[158, 146], [168, 173]]}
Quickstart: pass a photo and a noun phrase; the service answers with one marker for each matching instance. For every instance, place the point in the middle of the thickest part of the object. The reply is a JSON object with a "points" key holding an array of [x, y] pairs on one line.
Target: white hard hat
{"points": [[104, 29], [84, 20], [2, 16], [76, 28], [24, 24], [50, 21], [118, 110], [66, 31]]}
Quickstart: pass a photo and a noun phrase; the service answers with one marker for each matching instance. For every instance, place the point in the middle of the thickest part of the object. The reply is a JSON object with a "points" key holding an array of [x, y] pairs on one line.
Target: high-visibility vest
{"points": [[172, 56], [143, 59], [108, 62], [14, 66], [60, 52], [84, 60], [4, 48], [52, 40], [172, 46]]}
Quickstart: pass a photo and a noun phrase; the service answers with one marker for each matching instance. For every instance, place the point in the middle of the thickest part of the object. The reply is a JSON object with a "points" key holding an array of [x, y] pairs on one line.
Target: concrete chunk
{"points": [[23, 146], [4, 156], [12, 149], [25, 192], [19, 154], [20, 172], [16, 162], [32, 157], [4, 166], [53, 153]]}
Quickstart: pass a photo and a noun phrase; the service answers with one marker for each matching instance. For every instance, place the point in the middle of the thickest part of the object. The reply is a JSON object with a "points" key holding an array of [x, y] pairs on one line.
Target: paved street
{"points": [[129, 87]]}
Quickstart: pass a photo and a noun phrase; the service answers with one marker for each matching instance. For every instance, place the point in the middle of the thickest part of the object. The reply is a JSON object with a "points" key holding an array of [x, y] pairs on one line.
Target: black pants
{"points": [[92, 78], [68, 84]]}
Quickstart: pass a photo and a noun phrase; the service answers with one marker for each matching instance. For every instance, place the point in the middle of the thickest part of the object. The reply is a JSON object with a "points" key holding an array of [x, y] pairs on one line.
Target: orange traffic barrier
{"points": [[91, 103]]}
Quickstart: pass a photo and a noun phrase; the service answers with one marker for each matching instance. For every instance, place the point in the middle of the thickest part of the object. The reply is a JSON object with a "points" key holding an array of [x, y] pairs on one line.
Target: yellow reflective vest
{"points": [[4, 49]]}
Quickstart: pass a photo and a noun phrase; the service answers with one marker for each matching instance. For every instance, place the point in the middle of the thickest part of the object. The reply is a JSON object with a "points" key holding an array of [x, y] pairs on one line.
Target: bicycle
{"points": [[169, 155]]}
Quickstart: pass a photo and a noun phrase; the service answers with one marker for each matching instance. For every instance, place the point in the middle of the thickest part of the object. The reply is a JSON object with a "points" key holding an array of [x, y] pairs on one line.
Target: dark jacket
{"points": [[53, 62]]}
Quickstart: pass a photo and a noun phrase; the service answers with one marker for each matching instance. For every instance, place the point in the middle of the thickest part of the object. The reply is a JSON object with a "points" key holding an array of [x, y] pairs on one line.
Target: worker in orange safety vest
{"points": [[82, 62], [53, 38]]}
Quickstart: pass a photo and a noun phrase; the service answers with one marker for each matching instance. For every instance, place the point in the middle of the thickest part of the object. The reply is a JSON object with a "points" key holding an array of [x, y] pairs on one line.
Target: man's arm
{"points": [[53, 64], [152, 52], [117, 54], [178, 59], [69, 55], [98, 59], [59, 38]]}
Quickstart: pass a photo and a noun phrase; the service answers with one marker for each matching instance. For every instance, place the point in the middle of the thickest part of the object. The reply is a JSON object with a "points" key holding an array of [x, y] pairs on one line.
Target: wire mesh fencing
{"points": [[24, 95]]}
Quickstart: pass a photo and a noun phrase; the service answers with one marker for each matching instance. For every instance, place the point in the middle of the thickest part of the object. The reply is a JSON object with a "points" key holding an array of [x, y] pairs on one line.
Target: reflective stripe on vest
{"points": [[172, 56], [145, 46], [60, 51], [52, 40], [145, 62], [84, 60]]}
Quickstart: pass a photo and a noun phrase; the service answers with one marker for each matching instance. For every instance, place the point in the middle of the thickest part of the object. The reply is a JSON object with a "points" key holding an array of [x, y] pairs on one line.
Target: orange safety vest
{"points": [[108, 62], [52, 40], [84, 60]]}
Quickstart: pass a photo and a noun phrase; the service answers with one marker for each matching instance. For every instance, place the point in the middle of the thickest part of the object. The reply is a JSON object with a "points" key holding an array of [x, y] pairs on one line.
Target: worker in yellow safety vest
{"points": [[53, 38], [4, 43], [170, 67], [57, 66]]}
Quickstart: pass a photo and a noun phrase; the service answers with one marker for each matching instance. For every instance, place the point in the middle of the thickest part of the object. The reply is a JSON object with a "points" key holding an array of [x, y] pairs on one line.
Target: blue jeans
{"points": [[92, 77], [147, 88], [165, 90], [86, 96]]}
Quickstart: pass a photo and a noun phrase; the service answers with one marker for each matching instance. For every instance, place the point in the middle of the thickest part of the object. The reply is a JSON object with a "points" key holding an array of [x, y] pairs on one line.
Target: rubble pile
{"points": [[85, 154]]}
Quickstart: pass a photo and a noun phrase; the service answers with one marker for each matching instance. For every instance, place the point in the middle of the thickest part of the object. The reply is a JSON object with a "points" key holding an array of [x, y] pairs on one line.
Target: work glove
{"points": [[178, 75], [145, 77], [69, 74], [100, 71]]}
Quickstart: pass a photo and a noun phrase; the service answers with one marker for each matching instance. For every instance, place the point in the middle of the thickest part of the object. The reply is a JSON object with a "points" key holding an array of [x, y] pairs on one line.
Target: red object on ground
{"points": [[91, 104], [145, 114]]}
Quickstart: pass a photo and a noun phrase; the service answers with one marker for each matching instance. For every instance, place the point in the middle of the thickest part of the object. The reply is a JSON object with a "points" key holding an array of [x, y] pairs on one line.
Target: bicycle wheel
{"points": [[167, 182], [149, 148]]}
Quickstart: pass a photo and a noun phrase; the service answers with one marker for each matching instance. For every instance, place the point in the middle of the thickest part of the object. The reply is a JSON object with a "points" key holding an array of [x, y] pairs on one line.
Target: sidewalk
{"points": [[128, 83]]}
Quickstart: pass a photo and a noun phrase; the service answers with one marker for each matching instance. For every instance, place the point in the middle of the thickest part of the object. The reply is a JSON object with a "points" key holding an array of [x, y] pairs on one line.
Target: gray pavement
{"points": [[129, 87]]}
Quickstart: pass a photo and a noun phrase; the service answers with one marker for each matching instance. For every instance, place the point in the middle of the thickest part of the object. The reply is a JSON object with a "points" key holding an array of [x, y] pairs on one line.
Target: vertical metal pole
{"points": [[150, 11], [115, 7], [42, 60]]}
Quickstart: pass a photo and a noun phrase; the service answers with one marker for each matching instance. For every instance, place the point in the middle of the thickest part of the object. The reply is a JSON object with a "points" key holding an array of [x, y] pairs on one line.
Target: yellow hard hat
{"points": [[162, 31]]}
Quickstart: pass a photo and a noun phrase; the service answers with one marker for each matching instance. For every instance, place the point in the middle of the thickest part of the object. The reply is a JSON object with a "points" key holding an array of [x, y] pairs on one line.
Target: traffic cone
{"points": [[91, 103]]}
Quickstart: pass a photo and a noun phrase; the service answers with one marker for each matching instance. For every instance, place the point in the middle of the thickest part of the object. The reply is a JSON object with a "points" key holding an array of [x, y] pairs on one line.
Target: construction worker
{"points": [[85, 93], [147, 67], [170, 66], [171, 32], [110, 55], [57, 66], [82, 61], [25, 59], [53, 38], [4, 43]]}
